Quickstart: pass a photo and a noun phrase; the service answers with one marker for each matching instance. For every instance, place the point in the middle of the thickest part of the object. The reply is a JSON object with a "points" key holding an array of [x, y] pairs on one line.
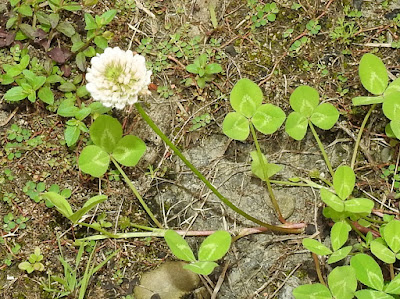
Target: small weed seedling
{"points": [[213, 248], [63, 206], [200, 121], [71, 282], [203, 70], [33, 263], [262, 13]]}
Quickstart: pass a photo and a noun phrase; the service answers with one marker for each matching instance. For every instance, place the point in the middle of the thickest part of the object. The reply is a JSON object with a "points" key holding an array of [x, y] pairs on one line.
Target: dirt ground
{"points": [[279, 56]]}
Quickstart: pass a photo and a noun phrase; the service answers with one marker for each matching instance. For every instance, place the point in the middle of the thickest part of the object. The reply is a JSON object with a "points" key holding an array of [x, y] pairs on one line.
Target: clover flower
{"points": [[117, 77]]}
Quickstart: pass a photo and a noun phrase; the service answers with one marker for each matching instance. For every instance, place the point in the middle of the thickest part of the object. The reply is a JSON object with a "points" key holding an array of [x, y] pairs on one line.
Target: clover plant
{"points": [[339, 204], [106, 134], [375, 79], [309, 112], [213, 248], [109, 145], [387, 248], [342, 283], [339, 235], [246, 99]]}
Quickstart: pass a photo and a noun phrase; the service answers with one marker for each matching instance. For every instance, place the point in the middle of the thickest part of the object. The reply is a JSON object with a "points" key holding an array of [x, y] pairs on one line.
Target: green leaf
{"points": [[59, 202], [391, 106], [108, 16], [179, 246], [82, 113], [373, 74], [101, 42], [342, 282], [202, 60], [66, 28], [46, 95], [54, 79], [25, 10], [201, 82], [105, 132], [325, 116], [394, 87], [246, 97], [339, 234], [257, 169], [358, 101], [67, 108], [90, 23], [394, 125], [215, 246], [67, 87], [25, 266], [392, 235], [296, 125], [332, 200], [359, 205], [393, 287], [343, 181], [213, 68], [98, 108], [316, 247], [192, 68], [15, 94], [71, 135], [382, 252], [76, 46], [312, 291], [367, 270], [129, 150], [80, 60], [236, 126], [304, 100], [94, 161], [91, 203], [372, 294], [72, 7], [268, 118], [54, 18], [340, 254], [201, 267]]}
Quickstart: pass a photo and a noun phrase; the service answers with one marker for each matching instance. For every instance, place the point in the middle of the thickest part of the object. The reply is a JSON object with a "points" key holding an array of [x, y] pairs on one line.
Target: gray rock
{"points": [[169, 281], [286, 291]]}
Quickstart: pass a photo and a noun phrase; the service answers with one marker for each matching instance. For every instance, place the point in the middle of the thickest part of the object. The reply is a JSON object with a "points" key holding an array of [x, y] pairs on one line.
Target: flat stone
{"points": [[169, 281]]}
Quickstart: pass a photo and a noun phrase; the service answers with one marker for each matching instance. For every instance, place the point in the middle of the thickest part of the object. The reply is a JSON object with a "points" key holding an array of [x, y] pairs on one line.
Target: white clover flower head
{"points": [[117, 77]]}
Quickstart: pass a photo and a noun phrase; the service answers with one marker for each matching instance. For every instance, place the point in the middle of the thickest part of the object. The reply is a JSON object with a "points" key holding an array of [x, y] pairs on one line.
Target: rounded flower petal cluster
{"points": [[117, 77]]}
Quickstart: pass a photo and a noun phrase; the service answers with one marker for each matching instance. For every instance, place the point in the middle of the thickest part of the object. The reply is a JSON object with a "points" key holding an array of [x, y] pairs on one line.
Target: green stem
{"points": [[321, 148], [99, 229], [287, 183], [136, 192], [226, 201], [318, 269], [374, 220], [353, 159], [356, 230], [265, 174]]}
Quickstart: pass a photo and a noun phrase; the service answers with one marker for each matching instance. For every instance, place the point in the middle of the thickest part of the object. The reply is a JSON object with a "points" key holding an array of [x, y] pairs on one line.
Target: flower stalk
{"points": [[226, 201]]}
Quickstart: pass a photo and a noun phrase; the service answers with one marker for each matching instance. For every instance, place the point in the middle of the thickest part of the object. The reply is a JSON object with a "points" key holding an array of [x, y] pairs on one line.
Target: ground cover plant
{"points": [[262, 136]]}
